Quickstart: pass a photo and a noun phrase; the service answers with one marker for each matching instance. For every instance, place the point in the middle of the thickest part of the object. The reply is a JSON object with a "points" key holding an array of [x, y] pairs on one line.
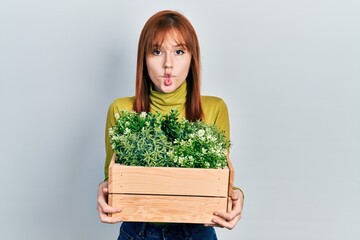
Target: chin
{"points": [[167, 89]]}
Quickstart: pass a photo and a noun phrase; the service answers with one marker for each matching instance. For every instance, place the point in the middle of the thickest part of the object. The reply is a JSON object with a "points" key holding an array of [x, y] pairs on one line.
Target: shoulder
{"points": [[214, 109], [124, 103], [216, 112], [212, 102], [119, 104]]}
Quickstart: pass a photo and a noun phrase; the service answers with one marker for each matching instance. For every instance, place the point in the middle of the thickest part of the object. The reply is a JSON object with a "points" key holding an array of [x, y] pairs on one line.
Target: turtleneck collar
{"points": [[164, 102]]}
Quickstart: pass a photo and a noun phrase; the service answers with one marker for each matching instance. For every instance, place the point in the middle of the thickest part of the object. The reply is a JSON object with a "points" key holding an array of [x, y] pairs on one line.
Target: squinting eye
{"points": [[179, 52], [157, 52]]}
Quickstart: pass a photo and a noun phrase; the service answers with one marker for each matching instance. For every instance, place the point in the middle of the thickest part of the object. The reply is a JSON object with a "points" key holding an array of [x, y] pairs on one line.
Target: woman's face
{"points": [[168, 65]]}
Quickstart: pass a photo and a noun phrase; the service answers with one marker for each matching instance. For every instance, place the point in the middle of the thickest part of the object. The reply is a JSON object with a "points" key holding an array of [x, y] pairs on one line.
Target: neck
{"points": [[164, 102]]}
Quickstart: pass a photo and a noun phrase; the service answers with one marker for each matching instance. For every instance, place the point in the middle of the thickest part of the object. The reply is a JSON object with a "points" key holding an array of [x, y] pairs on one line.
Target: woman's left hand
{"points": [[230, 219]]}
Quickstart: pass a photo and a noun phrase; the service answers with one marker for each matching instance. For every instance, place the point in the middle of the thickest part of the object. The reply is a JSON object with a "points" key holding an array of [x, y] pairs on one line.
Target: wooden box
{"points": [[171, 195]]}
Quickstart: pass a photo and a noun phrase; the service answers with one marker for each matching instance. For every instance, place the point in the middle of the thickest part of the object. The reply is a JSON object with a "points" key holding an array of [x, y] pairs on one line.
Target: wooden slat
{"points": [[231, 183], [170, 209], [168, 181], [229, 204], [111, 180], [231, 176]]}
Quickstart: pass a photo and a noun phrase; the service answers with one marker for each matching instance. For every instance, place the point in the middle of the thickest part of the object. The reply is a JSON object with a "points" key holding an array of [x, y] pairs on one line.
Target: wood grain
{"points": [[231, 177], [168, 181], [170, 209], [162, 194]]}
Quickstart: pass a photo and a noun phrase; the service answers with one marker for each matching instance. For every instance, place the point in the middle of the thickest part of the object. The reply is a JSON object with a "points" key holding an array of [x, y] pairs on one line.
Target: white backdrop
{"points": [[288, 70]]}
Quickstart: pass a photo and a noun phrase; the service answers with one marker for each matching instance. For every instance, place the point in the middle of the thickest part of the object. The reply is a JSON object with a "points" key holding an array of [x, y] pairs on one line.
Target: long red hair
{"points": [[154, 32]]}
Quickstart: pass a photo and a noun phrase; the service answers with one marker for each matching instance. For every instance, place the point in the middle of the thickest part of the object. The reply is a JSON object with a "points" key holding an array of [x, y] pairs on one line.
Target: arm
{"points": [[217, 113], [102, 193]]}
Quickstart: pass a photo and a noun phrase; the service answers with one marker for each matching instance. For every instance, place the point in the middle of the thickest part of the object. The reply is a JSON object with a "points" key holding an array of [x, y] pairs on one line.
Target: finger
{"points": [[227, 216], [107, 219], [105, 190], [102, 201], [104, 217], [237, 205], [105, 208], [109, 209], [234, 197], [227, 224], [237, 196]]}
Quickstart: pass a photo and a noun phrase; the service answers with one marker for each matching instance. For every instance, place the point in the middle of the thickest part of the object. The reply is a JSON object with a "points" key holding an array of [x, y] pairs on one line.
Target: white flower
{"points": [[201, 132], [211, 137], [115, 138], [183, 143], [127, 131], [143, 114]]}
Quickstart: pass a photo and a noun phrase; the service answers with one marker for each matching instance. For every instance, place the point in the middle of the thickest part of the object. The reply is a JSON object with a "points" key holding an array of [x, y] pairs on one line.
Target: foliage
{"points": [[150, 139]]}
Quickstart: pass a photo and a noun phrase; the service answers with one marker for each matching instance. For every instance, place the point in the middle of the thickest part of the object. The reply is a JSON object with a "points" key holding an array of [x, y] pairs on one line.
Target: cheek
{"points": [[188, 62], [185, 67], [150, 67], [153, 65], [148, 64]]}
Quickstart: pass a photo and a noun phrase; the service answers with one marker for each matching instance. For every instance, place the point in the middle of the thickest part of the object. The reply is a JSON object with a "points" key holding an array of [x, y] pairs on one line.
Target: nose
{"points": [[168, 61]]}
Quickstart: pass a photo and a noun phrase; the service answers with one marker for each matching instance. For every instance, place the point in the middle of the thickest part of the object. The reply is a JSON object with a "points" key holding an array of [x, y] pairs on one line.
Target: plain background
{"points": [[288, 70]]}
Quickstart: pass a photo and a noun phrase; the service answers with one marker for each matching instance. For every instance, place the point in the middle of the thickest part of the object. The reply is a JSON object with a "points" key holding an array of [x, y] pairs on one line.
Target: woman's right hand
{"points": [[102, 206]]}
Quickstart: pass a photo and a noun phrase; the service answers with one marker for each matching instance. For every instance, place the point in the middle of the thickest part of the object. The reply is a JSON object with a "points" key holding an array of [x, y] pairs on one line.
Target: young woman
{"points": [[168, 77]]}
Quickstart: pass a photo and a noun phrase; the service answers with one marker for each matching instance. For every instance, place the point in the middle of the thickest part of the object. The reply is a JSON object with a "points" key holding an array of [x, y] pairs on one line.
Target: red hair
{"points": [[155, 31]]}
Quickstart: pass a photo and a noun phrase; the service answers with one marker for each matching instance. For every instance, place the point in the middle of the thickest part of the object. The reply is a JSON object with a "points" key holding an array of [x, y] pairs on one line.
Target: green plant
{"points": [[150, 139]]}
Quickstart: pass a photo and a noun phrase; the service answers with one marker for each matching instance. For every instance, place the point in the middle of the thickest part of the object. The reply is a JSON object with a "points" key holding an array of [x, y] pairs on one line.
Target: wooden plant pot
{"points": [[171, 195]]}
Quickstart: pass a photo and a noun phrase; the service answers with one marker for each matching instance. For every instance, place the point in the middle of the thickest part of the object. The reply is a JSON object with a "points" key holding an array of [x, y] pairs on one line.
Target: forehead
{"points": [[171, 35]]}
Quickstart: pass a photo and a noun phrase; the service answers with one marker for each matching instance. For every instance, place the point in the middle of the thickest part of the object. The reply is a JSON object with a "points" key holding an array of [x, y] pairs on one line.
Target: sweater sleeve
{"points": [[110, 121], [216, 112], [222, 118], [115, 107]]}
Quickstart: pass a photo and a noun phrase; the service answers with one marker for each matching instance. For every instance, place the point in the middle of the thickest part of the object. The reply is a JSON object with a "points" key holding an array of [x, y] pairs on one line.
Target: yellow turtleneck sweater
{"points": [[214, 108]]}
